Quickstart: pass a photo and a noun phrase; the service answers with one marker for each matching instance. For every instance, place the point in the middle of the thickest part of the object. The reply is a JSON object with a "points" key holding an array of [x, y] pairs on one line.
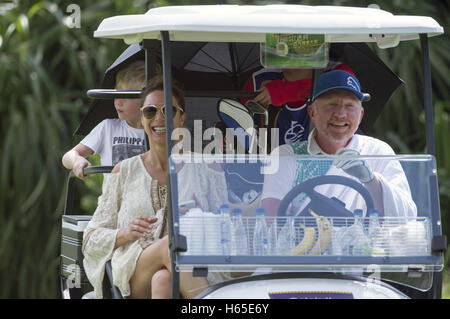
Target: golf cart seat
{"points": [[74, 282], [245, 181], [237, 117]]}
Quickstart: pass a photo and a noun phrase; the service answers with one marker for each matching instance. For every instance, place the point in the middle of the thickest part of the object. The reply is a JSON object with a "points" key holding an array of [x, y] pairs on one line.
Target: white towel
{"points": [[192, 228], [212, 236], [410, 239], [202, 230]]}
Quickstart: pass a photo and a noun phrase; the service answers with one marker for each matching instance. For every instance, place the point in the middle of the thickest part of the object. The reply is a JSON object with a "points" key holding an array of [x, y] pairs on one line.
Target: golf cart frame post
{"points": [[178, 242], [439, 244], [428, 95]]}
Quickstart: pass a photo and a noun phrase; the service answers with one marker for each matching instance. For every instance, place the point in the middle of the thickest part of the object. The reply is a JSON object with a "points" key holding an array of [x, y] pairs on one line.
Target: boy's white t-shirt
{"points": [[114, 140]]}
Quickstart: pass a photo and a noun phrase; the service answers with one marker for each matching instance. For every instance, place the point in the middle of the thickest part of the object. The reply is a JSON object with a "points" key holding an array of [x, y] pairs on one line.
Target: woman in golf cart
{"points": [[129, 225]]}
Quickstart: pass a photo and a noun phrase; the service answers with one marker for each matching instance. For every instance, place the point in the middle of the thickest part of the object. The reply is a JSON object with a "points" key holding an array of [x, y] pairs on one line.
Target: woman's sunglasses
{"points": [[149, 111]]}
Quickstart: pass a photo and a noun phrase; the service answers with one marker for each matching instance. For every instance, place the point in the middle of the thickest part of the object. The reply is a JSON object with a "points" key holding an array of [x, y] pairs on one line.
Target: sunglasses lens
{"points": [[149, 112], [174, 110]]}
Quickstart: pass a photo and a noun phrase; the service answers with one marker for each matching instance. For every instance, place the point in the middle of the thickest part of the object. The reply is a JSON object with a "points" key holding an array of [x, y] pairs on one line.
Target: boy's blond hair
{"points": [[133, 76]]}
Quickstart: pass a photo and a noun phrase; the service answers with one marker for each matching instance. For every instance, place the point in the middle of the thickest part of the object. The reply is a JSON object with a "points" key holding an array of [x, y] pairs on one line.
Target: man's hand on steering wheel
{"points": [[356, 168]]}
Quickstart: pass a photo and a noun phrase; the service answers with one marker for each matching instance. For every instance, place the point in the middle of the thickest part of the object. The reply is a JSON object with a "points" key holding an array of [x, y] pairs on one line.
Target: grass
{"points": [[446, 285]]}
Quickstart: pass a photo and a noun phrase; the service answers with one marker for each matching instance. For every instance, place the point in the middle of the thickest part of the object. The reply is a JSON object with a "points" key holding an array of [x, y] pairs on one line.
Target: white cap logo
{"points": [[351, 82]]}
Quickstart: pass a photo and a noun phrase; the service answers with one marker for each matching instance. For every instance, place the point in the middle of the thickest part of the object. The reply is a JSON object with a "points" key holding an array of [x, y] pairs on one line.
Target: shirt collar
{"points": [[314, 148]]}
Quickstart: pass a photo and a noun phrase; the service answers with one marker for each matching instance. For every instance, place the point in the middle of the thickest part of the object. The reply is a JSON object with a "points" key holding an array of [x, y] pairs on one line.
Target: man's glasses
{"points": [[149, 111]]}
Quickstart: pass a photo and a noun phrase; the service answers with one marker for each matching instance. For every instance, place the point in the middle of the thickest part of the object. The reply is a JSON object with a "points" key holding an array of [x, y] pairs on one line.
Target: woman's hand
{"points": [[139, 227]]}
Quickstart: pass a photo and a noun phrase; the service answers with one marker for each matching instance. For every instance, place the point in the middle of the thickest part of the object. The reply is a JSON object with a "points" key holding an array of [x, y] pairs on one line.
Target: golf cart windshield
{"points": [[328, 227]]}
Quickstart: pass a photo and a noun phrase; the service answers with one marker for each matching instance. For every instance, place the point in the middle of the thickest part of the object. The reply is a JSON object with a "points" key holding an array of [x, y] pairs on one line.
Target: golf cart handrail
{"points": [[68, 206], [236, 23], [135, 94]]}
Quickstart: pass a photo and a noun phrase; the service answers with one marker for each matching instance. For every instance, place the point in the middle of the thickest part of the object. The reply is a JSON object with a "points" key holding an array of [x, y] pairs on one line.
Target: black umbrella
{"points": [[199, 66], [222, 66]]}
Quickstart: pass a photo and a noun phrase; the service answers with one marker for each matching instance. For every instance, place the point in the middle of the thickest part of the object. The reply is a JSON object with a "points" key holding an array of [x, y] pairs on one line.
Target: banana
{"points": [[307, 242], [324, 235]]}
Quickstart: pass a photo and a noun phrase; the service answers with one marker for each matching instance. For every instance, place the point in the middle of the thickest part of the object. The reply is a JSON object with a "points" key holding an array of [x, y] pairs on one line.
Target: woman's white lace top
{"points": [[127, 195]]}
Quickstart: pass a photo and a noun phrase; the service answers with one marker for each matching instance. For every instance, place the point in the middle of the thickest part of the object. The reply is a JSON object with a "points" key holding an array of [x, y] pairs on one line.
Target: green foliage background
{"points": [[46, 67]]}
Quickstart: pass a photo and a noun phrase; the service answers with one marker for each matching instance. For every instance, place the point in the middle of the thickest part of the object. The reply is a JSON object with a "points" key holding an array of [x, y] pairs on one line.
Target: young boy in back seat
{"points": [[114, 139]]}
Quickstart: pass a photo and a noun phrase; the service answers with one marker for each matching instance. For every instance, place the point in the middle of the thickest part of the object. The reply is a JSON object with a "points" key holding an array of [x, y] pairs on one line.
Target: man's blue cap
{"points": [[337, 79]]}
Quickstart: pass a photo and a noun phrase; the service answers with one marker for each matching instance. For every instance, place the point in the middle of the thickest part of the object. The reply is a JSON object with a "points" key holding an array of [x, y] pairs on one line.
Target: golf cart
{"points": [[330, 247]]}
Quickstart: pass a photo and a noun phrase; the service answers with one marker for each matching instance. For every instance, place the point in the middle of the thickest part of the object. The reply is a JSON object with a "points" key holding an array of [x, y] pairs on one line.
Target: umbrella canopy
{"points": [[199, 66], [219, 66]]}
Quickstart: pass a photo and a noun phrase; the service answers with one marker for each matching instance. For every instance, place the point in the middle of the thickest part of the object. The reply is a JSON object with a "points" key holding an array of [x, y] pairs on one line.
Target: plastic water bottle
{"points": [[225, 229], [272, 229], [358, 214], [260, 235], [239, 244], [361, 242], [375, 232], [286, 238]]}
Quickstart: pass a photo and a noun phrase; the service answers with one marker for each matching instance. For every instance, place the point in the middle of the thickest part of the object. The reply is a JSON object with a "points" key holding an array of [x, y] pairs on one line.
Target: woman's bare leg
{"points": [[152, 259], [191, 286], [161, 284]]}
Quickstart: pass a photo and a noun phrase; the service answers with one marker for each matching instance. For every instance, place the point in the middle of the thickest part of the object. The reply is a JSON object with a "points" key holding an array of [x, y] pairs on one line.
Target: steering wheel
{"points": [[321, 204]]}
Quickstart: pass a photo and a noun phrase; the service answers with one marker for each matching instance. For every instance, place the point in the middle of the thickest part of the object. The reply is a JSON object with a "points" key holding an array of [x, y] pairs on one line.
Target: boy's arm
{"points": [[75, 159]]}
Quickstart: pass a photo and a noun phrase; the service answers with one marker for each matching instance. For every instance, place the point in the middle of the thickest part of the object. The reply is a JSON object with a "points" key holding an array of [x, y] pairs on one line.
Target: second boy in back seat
{"points": [[284, 93]]}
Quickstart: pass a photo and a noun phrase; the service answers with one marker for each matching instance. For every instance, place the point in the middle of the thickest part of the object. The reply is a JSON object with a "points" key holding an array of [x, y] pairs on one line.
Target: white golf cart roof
{"points": [[236, 23]]}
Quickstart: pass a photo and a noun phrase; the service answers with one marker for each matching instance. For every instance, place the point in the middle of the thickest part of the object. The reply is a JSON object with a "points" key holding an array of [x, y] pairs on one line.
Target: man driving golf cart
{"points": [[336, 111]]}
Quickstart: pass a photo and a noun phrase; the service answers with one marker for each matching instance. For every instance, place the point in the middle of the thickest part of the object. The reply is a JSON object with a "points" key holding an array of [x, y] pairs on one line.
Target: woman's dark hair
{"points": [[157, 84]]}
